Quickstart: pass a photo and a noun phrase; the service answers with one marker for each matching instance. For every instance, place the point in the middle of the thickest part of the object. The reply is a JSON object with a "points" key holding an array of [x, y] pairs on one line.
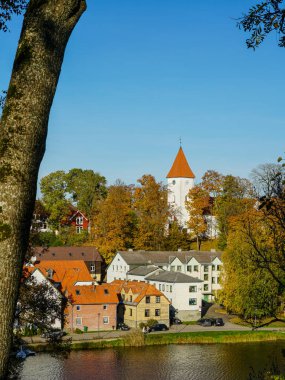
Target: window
{"points": [[213, 267], [131, 312], [206, 268], [92, 267], [79, 220], [78, 321], [170, 288], [189, 268], [218, 267], [173, 182], [159, 286], [117, 267], [178, 268], [157, 312], [106, 291], [172, 268], [105, 307], [206, 287], [78, 307], [113, 267], [163, 287], [79, 229], [195, 268], [218, 280], [213, 280], [77, 292], [192, 301], [147, 299], [157, 299], [131, 298], [206, 277], [49, 273], [106, 320], [192, 289], [146, 313]]}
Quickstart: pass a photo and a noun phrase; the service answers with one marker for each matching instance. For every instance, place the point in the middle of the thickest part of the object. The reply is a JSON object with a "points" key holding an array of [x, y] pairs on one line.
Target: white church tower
{"points": [[180, 180]]}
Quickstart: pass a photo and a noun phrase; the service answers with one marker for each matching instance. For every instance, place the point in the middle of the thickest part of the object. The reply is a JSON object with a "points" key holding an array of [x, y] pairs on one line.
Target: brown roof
{"points": [[67, 253], [180, 167]]}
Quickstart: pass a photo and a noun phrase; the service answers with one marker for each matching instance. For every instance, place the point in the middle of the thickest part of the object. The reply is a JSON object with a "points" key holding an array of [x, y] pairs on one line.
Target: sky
{"points": [[139, 75]]}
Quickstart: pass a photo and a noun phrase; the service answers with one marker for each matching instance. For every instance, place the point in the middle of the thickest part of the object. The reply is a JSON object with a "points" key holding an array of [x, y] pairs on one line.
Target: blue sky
{"points": [[138, 75]]}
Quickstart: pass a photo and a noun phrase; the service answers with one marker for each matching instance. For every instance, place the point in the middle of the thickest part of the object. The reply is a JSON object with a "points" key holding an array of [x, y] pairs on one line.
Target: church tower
{"points": [[180, 180]]}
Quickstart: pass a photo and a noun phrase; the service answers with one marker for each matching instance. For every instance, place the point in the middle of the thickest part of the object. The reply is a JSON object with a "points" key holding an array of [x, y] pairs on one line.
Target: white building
{"points": [[180, 180], [199, 270]]}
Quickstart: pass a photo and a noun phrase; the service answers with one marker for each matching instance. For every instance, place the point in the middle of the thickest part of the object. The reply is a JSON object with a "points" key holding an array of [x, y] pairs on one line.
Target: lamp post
{"points": [[98, 323]]}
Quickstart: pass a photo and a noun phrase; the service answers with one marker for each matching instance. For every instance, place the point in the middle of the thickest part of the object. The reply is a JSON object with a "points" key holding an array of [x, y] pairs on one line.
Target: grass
{"points": [[136, 340], [269, 324], [189, 323]]}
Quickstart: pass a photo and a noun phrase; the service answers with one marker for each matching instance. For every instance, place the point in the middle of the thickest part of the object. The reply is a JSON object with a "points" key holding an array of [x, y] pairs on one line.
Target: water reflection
{"points": [[191, 362]]}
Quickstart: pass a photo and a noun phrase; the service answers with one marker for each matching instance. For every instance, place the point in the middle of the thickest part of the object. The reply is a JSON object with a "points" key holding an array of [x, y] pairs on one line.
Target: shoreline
{"points": [[209, 337]]}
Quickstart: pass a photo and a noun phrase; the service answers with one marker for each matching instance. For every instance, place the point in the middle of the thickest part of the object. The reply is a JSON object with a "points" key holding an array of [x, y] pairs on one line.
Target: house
{"points": [[90, 306], [187, 278], [90, 255], [141, 302], [79, 221]]}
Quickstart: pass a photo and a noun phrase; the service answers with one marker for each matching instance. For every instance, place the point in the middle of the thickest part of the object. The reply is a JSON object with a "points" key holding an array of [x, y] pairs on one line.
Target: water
{"points": [[191, 362]]}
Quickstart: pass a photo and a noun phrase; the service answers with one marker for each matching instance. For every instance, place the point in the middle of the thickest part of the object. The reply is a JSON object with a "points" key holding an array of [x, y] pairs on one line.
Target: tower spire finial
{"points": [[180, 141]]}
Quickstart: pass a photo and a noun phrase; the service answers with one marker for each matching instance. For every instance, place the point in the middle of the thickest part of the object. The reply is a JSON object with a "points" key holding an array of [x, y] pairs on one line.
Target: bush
{"points": [[151, 322], [135, 338], [142, 325], [78, 331]]}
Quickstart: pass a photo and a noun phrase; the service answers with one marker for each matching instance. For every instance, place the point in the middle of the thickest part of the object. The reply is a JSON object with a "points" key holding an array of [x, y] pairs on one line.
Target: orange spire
{"points": [[180, 167]]}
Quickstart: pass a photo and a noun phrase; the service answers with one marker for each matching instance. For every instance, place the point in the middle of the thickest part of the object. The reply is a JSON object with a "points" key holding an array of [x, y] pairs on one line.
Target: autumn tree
{"points": [[152, 212], [231, 201], [115, 222], [197, 202], [46, 29]]}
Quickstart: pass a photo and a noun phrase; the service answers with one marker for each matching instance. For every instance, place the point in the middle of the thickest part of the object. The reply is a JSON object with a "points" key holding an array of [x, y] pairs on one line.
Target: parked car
{"points": [[206, 322], [175, 321], [219, 322], [158, 327], [122, 326]]}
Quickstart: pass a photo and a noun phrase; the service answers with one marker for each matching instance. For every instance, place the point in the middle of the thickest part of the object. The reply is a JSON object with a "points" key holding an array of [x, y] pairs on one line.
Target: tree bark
{"points": [[46, 30]]}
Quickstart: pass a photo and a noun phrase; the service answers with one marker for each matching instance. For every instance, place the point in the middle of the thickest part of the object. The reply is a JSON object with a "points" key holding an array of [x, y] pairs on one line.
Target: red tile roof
{"points": [[180, 167], [139, 288]]}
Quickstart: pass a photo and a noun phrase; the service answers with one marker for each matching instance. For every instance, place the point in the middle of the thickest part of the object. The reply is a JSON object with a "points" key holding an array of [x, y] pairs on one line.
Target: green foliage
{"points": [[263, 18], [78, 331], [86, 188], [151, 322], [176, 238]]}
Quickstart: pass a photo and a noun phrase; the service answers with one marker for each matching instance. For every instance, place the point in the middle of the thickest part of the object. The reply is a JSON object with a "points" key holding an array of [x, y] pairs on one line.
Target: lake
{"points": [[197, 362]]}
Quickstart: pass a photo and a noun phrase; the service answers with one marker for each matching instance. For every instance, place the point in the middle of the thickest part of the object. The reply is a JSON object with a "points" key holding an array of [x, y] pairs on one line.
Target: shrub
{"points": [[134, 338], [151, 322], [78, 331]]}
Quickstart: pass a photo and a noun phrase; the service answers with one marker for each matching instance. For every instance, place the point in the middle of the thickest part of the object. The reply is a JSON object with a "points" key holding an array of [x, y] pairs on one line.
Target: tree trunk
{"points": [[46, 29]]}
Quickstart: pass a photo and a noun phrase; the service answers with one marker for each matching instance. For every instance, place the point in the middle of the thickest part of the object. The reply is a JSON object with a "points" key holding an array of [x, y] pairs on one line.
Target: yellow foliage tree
{"points": [[114, 223], [152, 211]]}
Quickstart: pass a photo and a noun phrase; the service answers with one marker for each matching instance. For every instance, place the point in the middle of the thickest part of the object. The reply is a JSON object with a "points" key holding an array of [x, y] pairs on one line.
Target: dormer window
{"points": [[106, 291], [77, 292], [49, 273]]}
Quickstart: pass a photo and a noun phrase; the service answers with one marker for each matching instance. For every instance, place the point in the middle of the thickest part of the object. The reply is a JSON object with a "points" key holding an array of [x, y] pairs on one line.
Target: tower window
{"points": [[173, 182]]}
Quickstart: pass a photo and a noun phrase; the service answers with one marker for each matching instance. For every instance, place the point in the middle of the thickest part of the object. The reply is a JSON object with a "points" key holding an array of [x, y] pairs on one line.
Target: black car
{"points": [[122, 326], [205, 322], [219, 322], [176, 321], [158, 327]]}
